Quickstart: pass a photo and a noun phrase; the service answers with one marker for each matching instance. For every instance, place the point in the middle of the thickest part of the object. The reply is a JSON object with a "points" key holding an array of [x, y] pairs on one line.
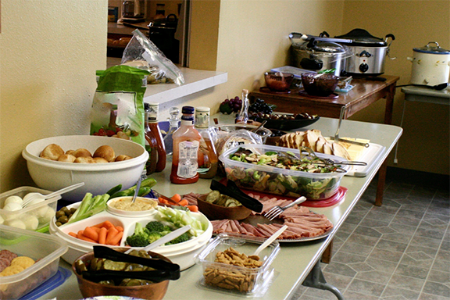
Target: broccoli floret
{"points": [[140, 236], [153, 236], [182, 238], [155, 226]]}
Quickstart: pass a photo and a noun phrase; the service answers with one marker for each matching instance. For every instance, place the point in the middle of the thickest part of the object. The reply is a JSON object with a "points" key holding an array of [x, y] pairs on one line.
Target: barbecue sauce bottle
{"points": [[186, 142], [154, 127], [208, 160]]}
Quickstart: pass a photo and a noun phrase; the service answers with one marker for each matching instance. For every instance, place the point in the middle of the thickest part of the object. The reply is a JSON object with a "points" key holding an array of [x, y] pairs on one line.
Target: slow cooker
{"points": [[430, 65], [369, 52], [317, 53]]}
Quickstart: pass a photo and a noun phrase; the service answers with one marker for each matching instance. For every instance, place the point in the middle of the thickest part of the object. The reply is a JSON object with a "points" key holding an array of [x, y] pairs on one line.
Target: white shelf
{"points": [[195, 81]]}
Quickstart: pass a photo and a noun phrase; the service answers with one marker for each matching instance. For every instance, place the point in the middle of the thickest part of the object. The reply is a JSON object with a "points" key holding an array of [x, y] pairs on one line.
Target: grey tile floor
{"points": [[400, 250]]}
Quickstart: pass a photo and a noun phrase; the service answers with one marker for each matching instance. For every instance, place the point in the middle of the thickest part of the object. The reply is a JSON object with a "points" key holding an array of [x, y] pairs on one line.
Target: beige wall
{"points": [[49, 52], [424, 145]]}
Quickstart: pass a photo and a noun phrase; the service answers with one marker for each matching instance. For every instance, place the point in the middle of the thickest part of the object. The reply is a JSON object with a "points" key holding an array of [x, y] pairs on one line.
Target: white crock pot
{"points": [[430, 65]]}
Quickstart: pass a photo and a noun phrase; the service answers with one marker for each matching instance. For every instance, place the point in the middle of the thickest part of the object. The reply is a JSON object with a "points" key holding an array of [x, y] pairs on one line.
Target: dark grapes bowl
{"points": [[278, 81]]}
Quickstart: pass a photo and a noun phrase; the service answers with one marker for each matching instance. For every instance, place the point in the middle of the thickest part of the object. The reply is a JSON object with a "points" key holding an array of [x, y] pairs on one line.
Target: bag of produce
{"points": [[118, 105], [227, 140], [144, 54]]}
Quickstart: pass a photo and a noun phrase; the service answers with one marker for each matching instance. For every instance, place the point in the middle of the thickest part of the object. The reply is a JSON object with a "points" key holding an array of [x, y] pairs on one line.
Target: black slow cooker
{"points": [[369, 52]]}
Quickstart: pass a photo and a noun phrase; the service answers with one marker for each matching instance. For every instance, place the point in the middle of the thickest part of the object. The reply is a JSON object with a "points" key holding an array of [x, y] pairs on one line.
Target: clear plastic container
{"points": [[278, 181], [33, 217], [244, 280], [45, 249]]}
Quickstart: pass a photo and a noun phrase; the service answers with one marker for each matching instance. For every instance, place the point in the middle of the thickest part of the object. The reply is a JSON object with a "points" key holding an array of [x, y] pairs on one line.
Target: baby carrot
{"points": [[108, 224], [183, 202], [91, 233], [119, 228], [102, 235], [80, 233], [176, 198], [193, 208], [116, 239], [97, 229], [110, 235], [73, 234], [82, 237], [99, 225]]}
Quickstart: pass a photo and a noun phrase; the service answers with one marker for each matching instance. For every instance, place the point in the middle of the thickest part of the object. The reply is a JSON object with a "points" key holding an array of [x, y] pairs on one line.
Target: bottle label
{"points": [[188, 164]]}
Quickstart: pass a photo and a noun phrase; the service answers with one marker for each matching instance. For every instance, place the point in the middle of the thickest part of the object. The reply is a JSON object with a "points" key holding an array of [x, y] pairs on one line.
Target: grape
{"points": [[226, 101]]}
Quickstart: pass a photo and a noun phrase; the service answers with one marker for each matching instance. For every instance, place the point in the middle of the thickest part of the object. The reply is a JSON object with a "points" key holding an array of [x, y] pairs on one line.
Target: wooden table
{"points": [[364, 93]]}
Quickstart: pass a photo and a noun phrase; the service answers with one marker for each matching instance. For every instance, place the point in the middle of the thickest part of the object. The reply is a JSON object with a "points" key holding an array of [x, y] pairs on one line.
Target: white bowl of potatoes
{"points": [[100, 162]]}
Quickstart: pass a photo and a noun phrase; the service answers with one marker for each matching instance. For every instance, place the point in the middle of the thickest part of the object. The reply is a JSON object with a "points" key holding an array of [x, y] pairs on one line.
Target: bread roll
{"points": [[81, 152], [52, 152], [100, 160], [106, 152], [67, 158], [70, 152], [84, 160], [123, 157]]}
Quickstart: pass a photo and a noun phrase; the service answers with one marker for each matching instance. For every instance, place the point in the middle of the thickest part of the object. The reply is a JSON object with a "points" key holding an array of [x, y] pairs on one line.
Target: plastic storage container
{"points": [[244, 280], [182, 253], [273, 180], [43, 248], [41, 213]]}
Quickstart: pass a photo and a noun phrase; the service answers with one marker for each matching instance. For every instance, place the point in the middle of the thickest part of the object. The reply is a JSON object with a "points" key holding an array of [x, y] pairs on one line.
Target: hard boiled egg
{"points": [[12, 206], [13, 199]]}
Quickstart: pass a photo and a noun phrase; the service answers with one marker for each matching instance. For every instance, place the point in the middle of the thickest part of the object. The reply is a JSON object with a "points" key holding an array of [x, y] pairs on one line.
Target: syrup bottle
{"points": [[152, 119], [186, 142], [208, 160]]}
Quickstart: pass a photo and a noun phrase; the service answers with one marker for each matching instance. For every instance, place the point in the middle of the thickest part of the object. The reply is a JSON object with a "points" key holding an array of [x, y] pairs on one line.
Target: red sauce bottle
{"points": [[151, 145], [186, 142], [154, 127]]}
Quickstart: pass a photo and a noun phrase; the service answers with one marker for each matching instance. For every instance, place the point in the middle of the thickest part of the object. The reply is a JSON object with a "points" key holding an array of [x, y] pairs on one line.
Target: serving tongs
{"points": [[232, 190], [336, 135], [163, 270]]}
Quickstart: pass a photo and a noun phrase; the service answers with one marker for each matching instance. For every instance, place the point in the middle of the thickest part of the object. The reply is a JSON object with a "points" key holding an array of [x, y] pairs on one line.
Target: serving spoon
{"points": [[32, 197]]}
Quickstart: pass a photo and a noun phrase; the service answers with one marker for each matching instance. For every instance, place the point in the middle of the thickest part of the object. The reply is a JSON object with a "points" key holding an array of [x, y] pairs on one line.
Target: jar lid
{"points": [[432, 49], [202, 109], [361, 37], [187, 110]]}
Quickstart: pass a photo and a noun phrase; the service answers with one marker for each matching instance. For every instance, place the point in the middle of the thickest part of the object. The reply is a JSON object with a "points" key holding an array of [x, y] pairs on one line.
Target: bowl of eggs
{"points": [[100, 162]]}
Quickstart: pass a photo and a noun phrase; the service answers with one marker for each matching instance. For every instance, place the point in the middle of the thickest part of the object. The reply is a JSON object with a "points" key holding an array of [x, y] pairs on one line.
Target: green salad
{"points": [[270, 180]]}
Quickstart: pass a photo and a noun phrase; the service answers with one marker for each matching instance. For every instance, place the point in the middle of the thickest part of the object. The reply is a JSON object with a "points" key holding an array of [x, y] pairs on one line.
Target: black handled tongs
{"points": [[232, 190], [163, 270]]}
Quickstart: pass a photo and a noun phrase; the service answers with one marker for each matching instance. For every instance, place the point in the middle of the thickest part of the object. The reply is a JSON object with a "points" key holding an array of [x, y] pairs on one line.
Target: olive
{"points": [[58, 224], [72, 210], [63, 219], [64, 209], [59, 214]]}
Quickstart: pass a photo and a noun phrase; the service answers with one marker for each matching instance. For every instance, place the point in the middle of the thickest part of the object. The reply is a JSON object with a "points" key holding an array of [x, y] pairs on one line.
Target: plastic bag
{"points": [[227, 140], [143, 53], [118, 104]]}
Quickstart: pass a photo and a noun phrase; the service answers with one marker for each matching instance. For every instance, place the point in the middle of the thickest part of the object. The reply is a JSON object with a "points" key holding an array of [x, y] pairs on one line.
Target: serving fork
{"points": [[277, 210]]}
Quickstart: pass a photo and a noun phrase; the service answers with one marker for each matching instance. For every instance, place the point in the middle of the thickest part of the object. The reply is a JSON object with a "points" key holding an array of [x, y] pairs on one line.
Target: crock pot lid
{"points": [[361, 36], [321, 46], [436, 49]]}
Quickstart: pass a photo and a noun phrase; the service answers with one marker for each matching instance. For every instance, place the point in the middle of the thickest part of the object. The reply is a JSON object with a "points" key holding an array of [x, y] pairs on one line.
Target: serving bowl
{"points": [[278, 81], [98, 178], [154, 291], [218, 212], [321, 85]]}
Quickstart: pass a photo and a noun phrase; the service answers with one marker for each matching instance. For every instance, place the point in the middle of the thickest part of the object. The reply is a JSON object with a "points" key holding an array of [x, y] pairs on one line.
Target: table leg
{"points": [[389, 104], [316, 279], [381, 183], [326, 255]]}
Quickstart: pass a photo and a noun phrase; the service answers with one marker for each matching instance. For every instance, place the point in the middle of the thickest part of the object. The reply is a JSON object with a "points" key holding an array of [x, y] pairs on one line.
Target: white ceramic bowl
{"points": [[98, 178]]}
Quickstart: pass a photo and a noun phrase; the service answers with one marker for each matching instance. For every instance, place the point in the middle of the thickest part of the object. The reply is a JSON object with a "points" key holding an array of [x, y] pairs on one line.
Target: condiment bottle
{"points": [[173, 126], [152, 119], [243, 114], [208, 160], [186, 141], [151, 144]]}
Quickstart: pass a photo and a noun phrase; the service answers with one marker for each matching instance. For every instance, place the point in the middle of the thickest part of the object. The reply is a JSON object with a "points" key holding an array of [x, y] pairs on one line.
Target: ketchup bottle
{"points": [[151, 144], [186, 142], [152, 119]]}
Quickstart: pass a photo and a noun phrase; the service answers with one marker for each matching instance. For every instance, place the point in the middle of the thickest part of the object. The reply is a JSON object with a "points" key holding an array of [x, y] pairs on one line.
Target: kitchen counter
{"points": [[195, 81], [295, 260]]}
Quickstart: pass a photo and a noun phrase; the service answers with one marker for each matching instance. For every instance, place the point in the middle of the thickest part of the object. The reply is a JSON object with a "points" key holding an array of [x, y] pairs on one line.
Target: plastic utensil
{"points": [[272, 238], [35, 196], [167, 238], [138, 186]]}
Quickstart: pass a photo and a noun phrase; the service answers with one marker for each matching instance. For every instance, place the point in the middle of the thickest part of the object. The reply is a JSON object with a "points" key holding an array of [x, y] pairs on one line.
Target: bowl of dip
{"points": [[122, 206]]}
